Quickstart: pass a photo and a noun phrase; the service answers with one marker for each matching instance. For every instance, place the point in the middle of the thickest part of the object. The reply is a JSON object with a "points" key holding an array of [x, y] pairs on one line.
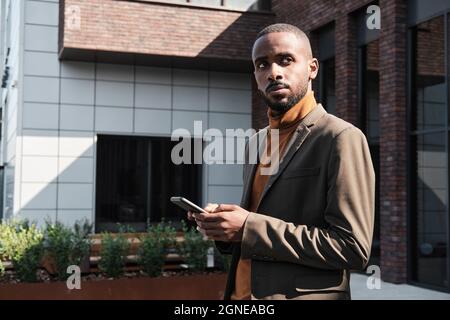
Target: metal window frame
{"points": [[326, 36], [362, 97], [412, 135]]}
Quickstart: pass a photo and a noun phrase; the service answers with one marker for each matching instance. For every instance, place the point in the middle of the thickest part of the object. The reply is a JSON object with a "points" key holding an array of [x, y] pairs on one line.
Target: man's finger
{"points": [[209, 225], [208, 217], [226, 207], [210, 207], [190, 216]]}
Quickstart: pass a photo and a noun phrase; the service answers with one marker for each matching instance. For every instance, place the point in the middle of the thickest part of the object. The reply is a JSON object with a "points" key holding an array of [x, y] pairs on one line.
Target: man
{"points": [[299, 231]]}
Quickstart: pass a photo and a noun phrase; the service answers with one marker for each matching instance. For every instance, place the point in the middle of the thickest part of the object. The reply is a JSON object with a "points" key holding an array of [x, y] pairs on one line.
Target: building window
{"points": [[323, 41], [135, 180], [429, 138], [327, 78], [369, 95], [241, 5]]}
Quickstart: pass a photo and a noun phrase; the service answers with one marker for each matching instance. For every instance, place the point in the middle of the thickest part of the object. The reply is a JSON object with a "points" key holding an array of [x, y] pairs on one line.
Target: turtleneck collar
{"points": [[294, 115]]}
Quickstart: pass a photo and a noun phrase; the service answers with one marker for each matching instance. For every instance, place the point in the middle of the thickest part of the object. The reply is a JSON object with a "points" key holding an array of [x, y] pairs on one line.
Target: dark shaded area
{"points": [[135, 180]]}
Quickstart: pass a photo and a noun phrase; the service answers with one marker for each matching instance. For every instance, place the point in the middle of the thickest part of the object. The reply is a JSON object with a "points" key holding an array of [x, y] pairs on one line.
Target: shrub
{"points": [[82, 229], [2, 268], [22, 243], [154, 247], [81, 241], [194, 248], [67, 246], [113, 254], [7, 231]]}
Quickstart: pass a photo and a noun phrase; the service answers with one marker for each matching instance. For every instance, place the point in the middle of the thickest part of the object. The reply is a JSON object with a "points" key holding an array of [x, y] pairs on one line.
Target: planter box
{"points": [[192, 287], [90, 263]]}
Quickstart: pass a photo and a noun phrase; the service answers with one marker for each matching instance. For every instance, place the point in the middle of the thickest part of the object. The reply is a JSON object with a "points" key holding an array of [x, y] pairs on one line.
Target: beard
{"points": [[282, 107]]}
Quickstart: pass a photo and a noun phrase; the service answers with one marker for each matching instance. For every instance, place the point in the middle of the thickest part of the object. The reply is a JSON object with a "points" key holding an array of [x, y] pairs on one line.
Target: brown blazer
{"points": [[315, 218]]}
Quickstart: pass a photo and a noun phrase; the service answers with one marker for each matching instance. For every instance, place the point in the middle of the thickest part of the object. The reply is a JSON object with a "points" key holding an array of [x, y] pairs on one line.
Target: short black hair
{"points": [[285, 27]]}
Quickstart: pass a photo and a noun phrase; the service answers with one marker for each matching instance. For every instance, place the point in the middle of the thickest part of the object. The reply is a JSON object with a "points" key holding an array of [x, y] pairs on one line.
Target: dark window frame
{"points": [[362, 123], [178, 215], [325, 39], [412, 135]]}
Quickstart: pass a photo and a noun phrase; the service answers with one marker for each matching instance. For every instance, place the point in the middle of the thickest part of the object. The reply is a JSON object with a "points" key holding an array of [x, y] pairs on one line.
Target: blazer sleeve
{"points": [[345, 241]]}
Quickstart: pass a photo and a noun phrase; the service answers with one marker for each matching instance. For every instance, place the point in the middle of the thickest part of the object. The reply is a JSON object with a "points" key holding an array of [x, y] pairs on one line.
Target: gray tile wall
{"points": [[67, 103]]}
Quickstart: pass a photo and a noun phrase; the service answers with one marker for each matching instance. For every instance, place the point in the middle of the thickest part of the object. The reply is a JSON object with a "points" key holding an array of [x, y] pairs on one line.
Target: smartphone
{"points": [[187, 205]]}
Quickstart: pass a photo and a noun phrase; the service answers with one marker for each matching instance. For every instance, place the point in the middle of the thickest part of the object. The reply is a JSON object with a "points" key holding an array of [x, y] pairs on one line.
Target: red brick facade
{"points": [[393, 138], [161, 29]]}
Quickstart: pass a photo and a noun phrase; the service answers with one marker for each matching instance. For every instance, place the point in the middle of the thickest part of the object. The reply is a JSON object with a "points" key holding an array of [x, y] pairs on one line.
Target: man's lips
{"points": [[276, 88]]}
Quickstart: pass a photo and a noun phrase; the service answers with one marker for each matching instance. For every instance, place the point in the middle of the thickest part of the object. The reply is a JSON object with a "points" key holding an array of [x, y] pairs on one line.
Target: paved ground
{"points": [[389, 291]]}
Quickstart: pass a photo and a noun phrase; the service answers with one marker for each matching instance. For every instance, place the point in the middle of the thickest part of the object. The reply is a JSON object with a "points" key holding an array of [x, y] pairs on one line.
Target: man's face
{"points": [[282, 69]]}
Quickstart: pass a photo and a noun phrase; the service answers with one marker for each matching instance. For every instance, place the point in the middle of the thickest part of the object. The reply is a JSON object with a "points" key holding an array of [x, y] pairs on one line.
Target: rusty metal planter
{"points": [[183, 287]]}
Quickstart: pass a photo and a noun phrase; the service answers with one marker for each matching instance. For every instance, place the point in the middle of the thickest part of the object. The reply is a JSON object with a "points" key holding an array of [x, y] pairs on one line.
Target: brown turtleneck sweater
{"points": [[286, 123]]}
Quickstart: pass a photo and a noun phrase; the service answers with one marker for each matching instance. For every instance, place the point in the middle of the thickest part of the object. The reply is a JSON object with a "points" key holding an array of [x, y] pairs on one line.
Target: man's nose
{"points": [[275, 72]]}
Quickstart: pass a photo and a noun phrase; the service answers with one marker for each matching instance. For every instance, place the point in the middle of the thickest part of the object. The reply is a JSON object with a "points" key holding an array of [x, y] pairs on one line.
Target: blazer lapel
{"points": [[299, 136], [250, 168]]}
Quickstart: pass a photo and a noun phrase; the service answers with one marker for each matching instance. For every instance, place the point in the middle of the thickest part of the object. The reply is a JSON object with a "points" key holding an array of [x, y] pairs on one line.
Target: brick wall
{"points": [[162, 29], [431, 48], [393, 156]]}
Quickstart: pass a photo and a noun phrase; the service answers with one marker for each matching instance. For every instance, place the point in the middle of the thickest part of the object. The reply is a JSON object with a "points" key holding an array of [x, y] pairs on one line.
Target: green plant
{"points": [[154, 246], [81, 241], [113, 254], [82, 228], [194, 248], [7, 229], [6, 245], [22, 243], [125, 228], [66, 246]]}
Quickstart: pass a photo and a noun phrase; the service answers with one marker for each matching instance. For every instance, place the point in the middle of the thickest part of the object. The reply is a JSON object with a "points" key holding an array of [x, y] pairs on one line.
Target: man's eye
{"points": [[261, 65], [286, 60]]}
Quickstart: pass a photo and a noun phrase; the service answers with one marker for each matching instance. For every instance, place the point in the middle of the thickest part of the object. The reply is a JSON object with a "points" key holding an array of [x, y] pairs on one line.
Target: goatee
{"points": [[282, 107]]}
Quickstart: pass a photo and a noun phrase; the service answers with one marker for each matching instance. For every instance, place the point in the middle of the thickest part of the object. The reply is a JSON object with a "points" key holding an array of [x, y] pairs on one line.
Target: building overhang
{"points": [[158, 34]]}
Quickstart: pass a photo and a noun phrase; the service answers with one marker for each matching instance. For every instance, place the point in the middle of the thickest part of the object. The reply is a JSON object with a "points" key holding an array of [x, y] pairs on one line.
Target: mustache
{"points": [[273, 85]]}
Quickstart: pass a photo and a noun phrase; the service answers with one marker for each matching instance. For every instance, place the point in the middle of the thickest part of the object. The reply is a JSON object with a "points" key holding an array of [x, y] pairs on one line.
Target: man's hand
{"points": [[224, 222], [210, 207]]}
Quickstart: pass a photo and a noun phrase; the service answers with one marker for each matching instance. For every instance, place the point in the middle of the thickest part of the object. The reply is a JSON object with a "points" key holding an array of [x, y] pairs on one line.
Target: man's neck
{"points": [[294, 114]]}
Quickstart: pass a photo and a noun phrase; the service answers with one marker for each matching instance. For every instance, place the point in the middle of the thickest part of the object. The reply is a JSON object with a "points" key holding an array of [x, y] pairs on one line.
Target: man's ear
{"points": [[313, 67]]}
